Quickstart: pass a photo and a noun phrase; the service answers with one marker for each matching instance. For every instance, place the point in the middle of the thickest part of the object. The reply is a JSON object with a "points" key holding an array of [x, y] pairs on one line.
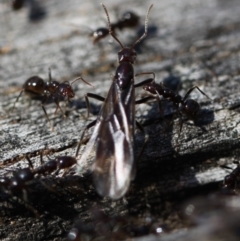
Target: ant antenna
{"points": [[146, 28], [82, 80], [115, 37], [49, 74], [110, 27]]}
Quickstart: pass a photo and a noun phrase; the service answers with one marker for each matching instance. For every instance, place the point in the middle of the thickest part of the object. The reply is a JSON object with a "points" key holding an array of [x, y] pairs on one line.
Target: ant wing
{"points": [[113, 166], [89, 148]]}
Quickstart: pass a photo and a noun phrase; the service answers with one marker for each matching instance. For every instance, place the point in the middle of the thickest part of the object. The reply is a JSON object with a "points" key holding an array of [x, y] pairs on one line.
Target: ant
{"points": [[37, 89], [114, 165], [128, 20], [231, 179], [36, 11], [186, 106], [21, 178], [17, 4]]}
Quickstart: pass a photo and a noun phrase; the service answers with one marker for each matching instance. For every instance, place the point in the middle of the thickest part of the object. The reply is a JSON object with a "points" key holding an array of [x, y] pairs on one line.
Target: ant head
{"points": [[127, 55], [191, 108], [65, 90]]}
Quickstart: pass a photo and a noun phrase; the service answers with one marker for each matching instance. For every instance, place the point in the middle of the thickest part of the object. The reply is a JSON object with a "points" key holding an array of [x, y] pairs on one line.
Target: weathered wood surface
{"points": [[196, 40]]}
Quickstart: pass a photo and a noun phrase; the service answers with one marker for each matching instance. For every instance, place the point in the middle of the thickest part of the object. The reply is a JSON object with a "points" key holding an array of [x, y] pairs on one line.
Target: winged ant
{"points": [[36, 88], [183, 105], [128, 20], [113, 134]]}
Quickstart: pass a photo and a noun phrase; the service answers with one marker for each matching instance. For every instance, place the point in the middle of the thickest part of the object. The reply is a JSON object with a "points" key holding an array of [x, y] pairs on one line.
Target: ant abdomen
{"points": [[65, 161], [191, 108], [34, 86], [20, 178], [128, 20], [99, 34]]}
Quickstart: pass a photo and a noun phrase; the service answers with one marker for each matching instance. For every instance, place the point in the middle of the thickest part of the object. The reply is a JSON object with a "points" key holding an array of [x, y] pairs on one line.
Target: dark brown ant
{"points": [[186, 106], [231, 179], [22, 177], [128, 20], [115, 126], [36, 11], [37, 89]]}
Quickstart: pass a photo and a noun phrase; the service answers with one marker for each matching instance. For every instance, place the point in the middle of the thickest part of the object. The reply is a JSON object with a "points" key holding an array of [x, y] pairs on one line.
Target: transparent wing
{"points": [[112, 169]]}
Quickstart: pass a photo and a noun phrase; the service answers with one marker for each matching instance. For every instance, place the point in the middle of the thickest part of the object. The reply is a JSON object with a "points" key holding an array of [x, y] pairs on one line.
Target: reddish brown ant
{"points": [[186, 106], [36, 88], [128, 20]]}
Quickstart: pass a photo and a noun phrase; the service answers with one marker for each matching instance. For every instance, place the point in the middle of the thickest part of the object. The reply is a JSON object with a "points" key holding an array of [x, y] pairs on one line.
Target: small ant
{"points": [[36, 11], [21, 178], [186, 106], [37, 89], [17, 4], [128, 20]]}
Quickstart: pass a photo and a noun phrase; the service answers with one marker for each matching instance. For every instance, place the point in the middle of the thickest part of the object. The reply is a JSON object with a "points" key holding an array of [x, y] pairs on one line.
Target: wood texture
{"points": [[197, 41]]}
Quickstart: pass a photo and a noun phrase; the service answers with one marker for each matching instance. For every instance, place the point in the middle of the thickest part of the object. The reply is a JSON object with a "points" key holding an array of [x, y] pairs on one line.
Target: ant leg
{"points": [[29, 161], [58, 107], [17, 99], [49, 74], [28, 206], [190, 90], [145, 81], [91, 124], [144, 100], [45, 112], [94, 96]]}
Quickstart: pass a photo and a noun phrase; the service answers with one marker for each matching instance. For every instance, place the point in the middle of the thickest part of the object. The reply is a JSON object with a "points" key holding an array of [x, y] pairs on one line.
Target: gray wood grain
{"points": [[197, 41]]}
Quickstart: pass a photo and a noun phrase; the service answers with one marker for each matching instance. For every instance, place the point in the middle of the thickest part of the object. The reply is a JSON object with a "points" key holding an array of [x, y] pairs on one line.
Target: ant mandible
{"points": [[37, 89], [186, 106], [128, 20]]}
